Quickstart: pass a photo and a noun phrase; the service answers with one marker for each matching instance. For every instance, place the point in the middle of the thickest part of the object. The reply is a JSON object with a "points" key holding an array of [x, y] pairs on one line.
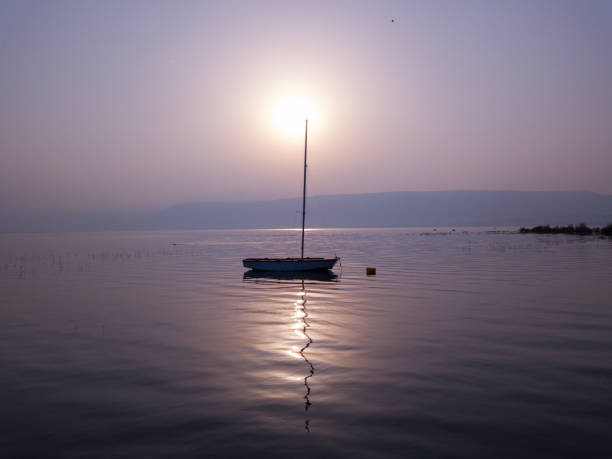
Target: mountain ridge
{"points": [[383, 209]]}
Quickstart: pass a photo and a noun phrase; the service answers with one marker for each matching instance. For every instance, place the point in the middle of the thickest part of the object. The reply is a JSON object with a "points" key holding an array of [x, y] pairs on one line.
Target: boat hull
{"points": [[289, 264]]}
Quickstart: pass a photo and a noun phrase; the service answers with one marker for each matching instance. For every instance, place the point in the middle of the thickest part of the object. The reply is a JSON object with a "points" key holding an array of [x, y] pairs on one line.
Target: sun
{"points": [[289, 113]]}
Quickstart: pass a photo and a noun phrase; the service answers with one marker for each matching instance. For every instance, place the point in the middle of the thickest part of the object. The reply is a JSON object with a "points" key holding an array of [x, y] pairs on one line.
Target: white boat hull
{"points": [[289, 264]]}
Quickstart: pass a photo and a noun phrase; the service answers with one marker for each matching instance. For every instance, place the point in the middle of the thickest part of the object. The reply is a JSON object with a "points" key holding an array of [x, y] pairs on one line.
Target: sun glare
{"points": [[289, 113]]}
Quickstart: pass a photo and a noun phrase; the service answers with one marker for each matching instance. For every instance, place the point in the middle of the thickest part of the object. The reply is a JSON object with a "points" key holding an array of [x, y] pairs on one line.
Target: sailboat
{"points": [[294, 264]]}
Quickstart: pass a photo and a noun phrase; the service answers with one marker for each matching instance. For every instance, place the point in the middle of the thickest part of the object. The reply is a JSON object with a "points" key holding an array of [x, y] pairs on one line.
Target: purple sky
{"points": [[138, 105]]}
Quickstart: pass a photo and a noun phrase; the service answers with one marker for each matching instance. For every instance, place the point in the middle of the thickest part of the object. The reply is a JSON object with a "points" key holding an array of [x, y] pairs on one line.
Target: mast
{"points": [[304, 193]]}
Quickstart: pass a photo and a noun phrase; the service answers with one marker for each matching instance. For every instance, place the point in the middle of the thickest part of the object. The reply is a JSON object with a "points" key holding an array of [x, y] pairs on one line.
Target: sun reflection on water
{"points": [[301, 314], [299, 326]]}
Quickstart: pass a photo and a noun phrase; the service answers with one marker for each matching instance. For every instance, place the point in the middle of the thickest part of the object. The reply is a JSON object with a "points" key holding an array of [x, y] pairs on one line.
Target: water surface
{"points": [[467, 343]]}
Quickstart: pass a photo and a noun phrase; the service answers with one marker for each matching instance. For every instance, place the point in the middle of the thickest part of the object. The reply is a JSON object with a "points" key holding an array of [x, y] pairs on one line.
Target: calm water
{"points": [[468, 344]]}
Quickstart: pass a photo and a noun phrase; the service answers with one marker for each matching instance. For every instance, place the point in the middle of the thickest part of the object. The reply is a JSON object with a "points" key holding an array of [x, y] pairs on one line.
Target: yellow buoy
{"points": [[371, 271]]}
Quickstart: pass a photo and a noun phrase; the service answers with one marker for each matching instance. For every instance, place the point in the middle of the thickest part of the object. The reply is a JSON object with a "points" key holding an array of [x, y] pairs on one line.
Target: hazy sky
{"points": [[130, 105]]}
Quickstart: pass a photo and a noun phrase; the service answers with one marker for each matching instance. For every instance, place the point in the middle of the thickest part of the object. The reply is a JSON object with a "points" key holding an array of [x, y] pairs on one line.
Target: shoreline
{"points": [[579, 230]]}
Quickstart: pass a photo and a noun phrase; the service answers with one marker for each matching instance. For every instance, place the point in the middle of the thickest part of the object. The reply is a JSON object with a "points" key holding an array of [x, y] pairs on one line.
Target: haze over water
{"points": [[465, 344]]}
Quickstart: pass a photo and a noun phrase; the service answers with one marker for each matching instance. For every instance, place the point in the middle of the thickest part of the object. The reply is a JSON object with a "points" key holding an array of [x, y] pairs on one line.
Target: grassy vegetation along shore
{"points": [[580, 230]]}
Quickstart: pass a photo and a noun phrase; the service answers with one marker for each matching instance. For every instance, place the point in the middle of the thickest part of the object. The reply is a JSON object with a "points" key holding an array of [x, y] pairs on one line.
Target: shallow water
{"points": [[466, 343]]}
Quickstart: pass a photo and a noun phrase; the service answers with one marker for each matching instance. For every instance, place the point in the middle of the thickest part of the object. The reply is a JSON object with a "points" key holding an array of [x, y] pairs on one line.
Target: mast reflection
{"points": [[301, 313]]}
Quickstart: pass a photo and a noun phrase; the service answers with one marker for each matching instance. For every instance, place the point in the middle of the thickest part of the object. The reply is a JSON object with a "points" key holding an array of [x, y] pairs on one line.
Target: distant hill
{"points": [[406, 208]]}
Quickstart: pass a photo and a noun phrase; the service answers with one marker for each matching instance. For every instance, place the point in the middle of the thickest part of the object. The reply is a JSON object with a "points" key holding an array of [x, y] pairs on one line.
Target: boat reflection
{"points": [[301, 313], [288, 276]]}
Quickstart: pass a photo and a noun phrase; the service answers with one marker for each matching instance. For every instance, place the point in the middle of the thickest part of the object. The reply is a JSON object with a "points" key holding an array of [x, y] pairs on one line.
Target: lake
{"points": [[467, 343]]}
